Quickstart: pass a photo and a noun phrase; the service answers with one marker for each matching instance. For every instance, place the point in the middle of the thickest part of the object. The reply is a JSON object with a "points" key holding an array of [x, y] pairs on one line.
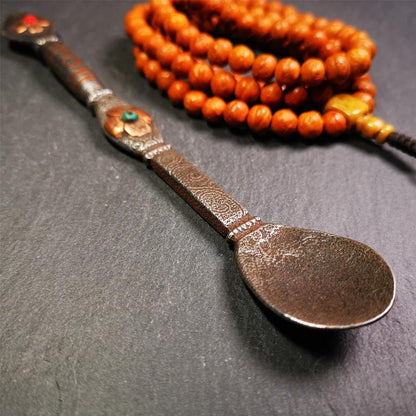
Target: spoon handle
{"points": [[132, 129]]}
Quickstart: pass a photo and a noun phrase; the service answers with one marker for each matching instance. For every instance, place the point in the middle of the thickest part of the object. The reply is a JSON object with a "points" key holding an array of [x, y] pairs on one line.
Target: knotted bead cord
{"points": [[325, 66]]}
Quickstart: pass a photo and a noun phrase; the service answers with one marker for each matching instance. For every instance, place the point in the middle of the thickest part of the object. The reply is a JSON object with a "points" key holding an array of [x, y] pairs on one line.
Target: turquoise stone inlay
{"points": [[129, 116]]}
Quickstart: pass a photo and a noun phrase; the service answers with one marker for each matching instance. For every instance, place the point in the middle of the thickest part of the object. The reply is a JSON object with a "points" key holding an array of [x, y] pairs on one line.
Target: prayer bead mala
{"points": [[325, 66]]}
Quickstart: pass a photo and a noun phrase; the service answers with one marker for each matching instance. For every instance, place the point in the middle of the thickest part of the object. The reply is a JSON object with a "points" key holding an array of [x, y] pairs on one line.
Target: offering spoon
{"points": [[309, 277]]}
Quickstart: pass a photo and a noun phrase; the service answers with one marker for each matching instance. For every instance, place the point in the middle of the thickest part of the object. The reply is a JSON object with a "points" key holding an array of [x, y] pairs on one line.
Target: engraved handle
{"points": [[217, 207], [79, 79], [132, 129]]}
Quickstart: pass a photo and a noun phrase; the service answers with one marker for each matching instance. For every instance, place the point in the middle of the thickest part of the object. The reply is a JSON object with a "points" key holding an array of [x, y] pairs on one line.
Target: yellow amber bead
{"points": [[384, 133], [372, 127], [350, 106], [361, 121]]}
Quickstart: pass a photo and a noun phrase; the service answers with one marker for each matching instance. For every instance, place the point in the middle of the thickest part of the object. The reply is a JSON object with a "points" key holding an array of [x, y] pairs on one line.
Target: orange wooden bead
{"points": [[166, 54], [315, 41], [177, 91], [245, 25], [333, 28], [307, 18], [298, 33], [219, 51], [133, 24], [338, 68], [141, 35], [223, 84], [213, 109], [182, 64], [175, 22], [193, 102], [312, 72], [360, 61], [151, 69], [141, 59], [335, 123], [284, 122], [259, 118], [153, 44], [364, 86], [320, 23], [263, 67], [185, 36], [367, 98], [345, 33], [321, 94], [310, 124], [241, 58], [287, 71], [164, 80], [296, 97], [235, 113], [262, 26], [367, 44], [271, 94], [329, 48], [201, 44], [279, 31], [361, 40], [200, 75], [247, 89]]}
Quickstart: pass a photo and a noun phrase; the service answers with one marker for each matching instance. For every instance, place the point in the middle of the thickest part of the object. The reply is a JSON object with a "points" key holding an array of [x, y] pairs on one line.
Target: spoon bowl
{"points": [[314, 278]]}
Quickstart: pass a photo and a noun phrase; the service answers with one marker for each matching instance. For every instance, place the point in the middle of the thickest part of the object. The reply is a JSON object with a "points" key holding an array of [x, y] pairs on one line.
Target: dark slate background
{"points": [[117, 299]]}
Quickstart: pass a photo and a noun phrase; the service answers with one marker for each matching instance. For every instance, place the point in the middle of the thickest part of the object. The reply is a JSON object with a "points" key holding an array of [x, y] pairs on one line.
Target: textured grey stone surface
{"points": [[117, 299]]}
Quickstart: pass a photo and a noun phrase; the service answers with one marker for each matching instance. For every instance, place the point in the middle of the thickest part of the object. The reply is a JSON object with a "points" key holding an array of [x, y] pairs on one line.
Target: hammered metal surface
{"points": [[200, 191], [315, 278]]}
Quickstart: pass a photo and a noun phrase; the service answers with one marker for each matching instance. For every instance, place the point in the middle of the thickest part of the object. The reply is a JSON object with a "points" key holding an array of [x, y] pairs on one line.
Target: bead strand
{"points": [[174, 52]]}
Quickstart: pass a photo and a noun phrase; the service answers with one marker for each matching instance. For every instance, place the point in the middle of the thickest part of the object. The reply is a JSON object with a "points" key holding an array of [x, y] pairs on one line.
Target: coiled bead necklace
{"points": [[320, 85]]}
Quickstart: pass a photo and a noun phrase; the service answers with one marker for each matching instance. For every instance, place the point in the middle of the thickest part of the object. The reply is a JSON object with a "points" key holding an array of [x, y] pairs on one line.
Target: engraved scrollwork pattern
{"points": [[200, 191]]}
